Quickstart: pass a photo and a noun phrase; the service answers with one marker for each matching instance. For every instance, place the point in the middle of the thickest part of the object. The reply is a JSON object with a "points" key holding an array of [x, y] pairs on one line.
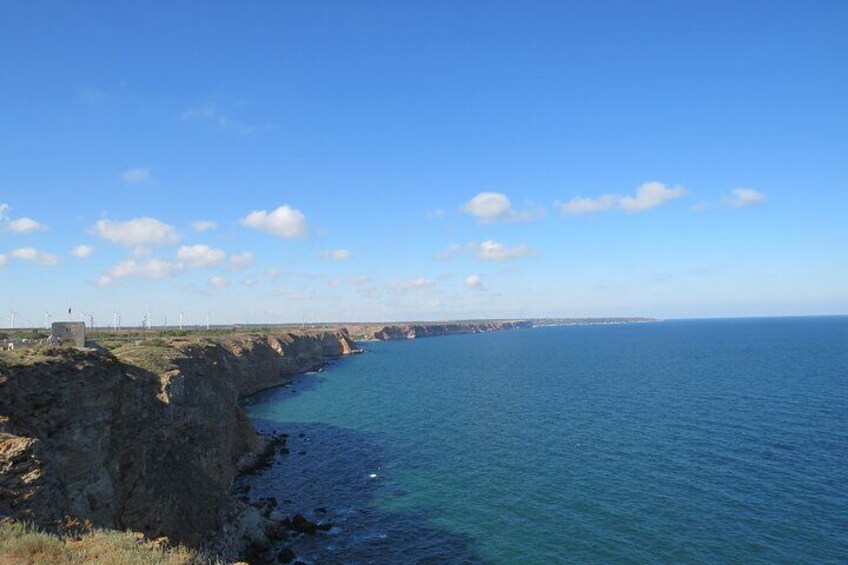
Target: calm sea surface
{"points": [[720, 441]]}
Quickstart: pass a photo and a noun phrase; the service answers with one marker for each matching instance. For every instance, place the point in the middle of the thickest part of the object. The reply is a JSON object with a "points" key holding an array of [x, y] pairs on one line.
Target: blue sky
{"points": [[422, 160]]}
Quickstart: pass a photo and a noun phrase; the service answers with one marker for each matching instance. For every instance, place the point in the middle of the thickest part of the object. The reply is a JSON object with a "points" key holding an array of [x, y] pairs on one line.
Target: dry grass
{"points": [[21, 544]]}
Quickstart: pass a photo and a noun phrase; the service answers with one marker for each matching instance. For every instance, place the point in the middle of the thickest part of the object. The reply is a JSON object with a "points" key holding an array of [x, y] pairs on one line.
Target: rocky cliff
{"points": [[148, 439], [414, 331]]}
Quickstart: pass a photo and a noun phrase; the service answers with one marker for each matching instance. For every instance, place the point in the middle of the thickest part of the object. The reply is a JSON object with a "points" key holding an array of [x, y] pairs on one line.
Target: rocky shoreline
{"points": [[150, 436]]}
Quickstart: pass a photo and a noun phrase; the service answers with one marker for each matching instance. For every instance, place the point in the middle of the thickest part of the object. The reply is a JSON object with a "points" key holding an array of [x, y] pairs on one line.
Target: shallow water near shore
{"points": [[709, 441]]}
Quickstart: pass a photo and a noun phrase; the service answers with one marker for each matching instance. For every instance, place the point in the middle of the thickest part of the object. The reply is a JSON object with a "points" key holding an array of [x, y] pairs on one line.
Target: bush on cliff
{"points": [[21, 544]]}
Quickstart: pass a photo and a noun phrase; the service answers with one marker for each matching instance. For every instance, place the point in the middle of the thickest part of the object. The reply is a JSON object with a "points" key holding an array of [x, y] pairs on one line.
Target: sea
{"points": [[682, 441]]}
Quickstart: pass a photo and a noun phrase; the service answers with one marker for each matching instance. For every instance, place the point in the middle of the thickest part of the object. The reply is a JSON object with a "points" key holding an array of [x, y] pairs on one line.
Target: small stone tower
{"points": [[72, 333]]}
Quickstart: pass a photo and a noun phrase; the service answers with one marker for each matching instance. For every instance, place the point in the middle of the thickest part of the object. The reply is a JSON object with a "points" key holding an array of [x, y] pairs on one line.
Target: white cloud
{"points": [[82, 251], [18, 225], [32, 254], [410, 284], [248, 281], [137, 232], [201, 226], [136, 175], [219, 282], [490, 207], [150, 268], [200, 255], [335, 254], [648, 195], [241, 261], [3, 261], [701, 206], [473, 281], [359, 280], [487, 251], [582, 205], [285, 222], [495, 251], [741, 197], [24, 225]]}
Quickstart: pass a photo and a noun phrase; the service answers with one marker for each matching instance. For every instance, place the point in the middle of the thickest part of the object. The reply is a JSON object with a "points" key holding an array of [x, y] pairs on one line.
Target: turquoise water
{"points": [[720, 441]]}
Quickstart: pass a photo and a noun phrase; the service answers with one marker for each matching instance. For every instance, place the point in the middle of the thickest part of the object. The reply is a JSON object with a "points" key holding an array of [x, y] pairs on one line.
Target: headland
{"points": [[143, 431]]}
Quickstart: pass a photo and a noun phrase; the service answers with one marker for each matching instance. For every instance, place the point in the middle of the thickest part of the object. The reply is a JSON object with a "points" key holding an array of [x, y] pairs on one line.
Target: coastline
{"points": [[154, 430]]}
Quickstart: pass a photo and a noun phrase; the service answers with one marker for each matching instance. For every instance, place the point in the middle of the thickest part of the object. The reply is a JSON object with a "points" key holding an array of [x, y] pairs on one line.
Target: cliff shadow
{"points": [[334, 475]]}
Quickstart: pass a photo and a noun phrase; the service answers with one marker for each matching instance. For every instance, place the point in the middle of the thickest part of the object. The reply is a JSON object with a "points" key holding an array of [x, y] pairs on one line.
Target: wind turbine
{"points": [[114, 320], [48, 317], [148, 319], [91, 321], [12, 316], [166, 322], [207, 321], [181, 320]]}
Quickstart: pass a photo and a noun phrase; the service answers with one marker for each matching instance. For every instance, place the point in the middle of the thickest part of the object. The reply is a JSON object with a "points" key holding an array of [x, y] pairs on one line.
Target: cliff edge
{"points": [[415, 331], [149, 438]]}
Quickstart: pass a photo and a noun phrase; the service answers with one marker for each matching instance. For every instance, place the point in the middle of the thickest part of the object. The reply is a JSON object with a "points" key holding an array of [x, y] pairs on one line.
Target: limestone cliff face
{"points": [[255, 364], [150, 440], [414, 331]]}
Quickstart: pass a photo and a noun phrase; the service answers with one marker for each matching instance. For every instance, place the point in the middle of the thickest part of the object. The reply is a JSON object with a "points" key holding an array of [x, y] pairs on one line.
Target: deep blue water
{"points": [[709, 441]]}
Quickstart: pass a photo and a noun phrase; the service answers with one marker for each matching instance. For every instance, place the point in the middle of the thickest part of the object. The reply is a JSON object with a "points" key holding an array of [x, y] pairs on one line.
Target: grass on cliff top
{"points": [[21, 544]]}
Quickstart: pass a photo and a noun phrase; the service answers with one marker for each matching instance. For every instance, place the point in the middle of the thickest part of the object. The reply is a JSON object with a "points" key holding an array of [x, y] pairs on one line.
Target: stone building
{"points": [[72, 333]]}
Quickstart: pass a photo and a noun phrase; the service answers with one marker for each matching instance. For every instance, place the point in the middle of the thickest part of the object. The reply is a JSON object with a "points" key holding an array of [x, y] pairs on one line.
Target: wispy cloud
{"points": [[215, 114], [491, 207], [334, 254], [741, 197], [149, 268], [201, 226], [241, 261], [219, 282], [450, 252], [285, 221], [359, 280], [495, 251], [489, 250], [410, 284], [34, 255], [137, 175], [647, 196]]}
